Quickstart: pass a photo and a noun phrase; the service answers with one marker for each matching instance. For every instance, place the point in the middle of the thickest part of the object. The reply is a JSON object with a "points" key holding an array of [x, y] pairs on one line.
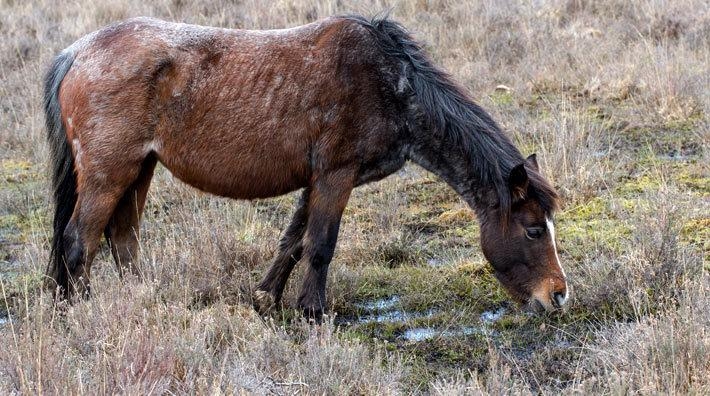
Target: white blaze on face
{"points": [[551, 230]]}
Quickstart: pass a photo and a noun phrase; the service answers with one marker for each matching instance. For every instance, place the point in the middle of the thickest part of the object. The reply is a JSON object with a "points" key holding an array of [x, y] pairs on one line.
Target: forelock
{"points": [[541, 190]]}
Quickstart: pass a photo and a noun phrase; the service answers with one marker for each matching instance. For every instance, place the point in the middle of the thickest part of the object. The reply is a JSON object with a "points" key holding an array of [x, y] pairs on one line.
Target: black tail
{"points": [[62, 165]]}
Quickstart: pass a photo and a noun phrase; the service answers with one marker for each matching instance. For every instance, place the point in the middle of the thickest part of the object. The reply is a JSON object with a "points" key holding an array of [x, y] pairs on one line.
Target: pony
{"points": [[246, 114]]}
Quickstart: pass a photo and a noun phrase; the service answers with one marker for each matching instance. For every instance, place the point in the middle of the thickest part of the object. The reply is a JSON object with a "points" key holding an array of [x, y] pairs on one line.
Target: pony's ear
{"points": [[532, 161], [518, 182]]}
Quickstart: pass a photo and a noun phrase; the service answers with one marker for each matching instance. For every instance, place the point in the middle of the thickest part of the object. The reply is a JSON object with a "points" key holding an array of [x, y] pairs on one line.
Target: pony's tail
{"points": [[63, 176]]}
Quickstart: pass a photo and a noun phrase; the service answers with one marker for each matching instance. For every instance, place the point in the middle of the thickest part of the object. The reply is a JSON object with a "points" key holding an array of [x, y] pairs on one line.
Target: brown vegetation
{"points": [[612, 95]]}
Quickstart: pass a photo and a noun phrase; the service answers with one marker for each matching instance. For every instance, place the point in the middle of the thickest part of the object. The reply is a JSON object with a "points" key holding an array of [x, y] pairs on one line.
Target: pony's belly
{"points": [[239, 179]]}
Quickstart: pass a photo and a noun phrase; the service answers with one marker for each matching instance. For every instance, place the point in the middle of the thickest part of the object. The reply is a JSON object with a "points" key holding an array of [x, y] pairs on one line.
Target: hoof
{"points": [[313, 315], [263, 301]]}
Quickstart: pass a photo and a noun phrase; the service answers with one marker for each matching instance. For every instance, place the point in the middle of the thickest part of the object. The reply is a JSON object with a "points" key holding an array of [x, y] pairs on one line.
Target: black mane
{"points": [[447, 108]]}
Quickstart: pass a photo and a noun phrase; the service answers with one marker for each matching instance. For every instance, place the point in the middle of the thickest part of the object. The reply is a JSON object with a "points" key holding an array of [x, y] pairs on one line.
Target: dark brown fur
{"points": [[250, 114]]}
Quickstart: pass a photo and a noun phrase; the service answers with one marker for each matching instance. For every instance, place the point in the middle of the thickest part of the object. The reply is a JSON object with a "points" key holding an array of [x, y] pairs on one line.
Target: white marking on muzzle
{"points": [[551, 228]]}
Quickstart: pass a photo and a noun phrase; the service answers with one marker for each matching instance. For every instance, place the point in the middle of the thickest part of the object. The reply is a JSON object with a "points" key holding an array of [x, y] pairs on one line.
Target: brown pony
{"points": [[324, 107]]}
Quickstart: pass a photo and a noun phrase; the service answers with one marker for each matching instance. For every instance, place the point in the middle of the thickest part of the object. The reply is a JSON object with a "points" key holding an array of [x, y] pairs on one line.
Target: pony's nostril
{"points": [[558, 299]]}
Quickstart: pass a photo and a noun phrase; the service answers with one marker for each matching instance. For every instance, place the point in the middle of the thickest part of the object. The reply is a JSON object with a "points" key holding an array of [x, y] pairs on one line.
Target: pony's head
{"points": [[518, 239]]}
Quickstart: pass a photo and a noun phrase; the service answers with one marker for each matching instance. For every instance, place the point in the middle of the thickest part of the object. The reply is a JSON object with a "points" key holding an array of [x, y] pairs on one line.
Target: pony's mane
{"points": [[447, 108]]}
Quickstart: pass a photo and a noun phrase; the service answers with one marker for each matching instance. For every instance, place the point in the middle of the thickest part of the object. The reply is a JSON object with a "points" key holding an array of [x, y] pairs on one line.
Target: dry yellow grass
{"points": [[613, 96]]}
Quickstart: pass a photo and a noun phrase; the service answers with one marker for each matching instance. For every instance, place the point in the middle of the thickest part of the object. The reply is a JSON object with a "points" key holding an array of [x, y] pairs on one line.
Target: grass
{"points": [[611, 94]]}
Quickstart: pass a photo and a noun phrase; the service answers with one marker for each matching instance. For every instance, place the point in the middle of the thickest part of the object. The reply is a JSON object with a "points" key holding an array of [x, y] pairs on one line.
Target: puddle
{"points": [[674, 156], [383, 304], [488, 317], [420, 334], [435, 262], [394, 316], [564, 344], [427, 333], [4, 320], [383, 311]]}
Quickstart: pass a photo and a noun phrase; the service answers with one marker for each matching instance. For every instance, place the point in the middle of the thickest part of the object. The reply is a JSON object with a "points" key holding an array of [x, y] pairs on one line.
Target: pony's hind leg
{"points": [[123, 229], [82, 235], [271, 287], [100, 188]]}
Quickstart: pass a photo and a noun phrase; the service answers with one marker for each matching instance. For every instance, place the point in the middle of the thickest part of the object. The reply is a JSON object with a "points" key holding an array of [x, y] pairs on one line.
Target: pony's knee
{"points": [[320, 253]]}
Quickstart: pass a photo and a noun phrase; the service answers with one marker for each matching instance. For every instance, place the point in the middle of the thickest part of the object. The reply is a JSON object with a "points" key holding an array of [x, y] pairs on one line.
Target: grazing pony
{"points": [[248, 114]]}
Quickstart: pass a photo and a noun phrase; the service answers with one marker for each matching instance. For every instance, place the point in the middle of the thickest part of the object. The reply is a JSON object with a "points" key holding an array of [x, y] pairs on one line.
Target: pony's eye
{"points": [[533, 232]]}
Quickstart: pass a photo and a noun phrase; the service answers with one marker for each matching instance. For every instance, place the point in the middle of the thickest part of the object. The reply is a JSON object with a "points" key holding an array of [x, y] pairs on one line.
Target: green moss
{"points": [[694, 181], [17, 286], [10, 222], [654, 171], [23, 213], [502, 98], [577, 237], [697, 233], [688, 124], [17, 227], [594, 223], [470, 232], [510, 322], [641, 184], [661, 139], [18, 171], [390, 330], [595, 208], [451, 353], [374, 285], [428, 297]]}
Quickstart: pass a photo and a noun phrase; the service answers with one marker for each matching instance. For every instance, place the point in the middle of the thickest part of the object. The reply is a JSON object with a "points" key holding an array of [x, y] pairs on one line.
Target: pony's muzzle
{"points": [[559, 299], [552, 295]]}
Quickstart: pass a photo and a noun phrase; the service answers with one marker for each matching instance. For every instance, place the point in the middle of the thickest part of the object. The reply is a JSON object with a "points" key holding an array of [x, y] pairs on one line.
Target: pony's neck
{"points": [[451, 135], [474, 158]]}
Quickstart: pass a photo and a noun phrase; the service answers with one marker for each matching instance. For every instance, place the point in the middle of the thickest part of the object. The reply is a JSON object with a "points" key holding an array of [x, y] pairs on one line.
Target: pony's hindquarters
{"points": [[102, 169]]}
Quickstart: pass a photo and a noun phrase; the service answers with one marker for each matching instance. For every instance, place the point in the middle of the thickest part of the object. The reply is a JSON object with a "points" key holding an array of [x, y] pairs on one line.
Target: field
{"points": [[612, 95]]}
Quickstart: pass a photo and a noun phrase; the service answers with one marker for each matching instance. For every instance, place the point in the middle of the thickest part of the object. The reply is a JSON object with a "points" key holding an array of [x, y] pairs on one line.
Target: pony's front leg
{"points": [[329, 195], [270, 289]]}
